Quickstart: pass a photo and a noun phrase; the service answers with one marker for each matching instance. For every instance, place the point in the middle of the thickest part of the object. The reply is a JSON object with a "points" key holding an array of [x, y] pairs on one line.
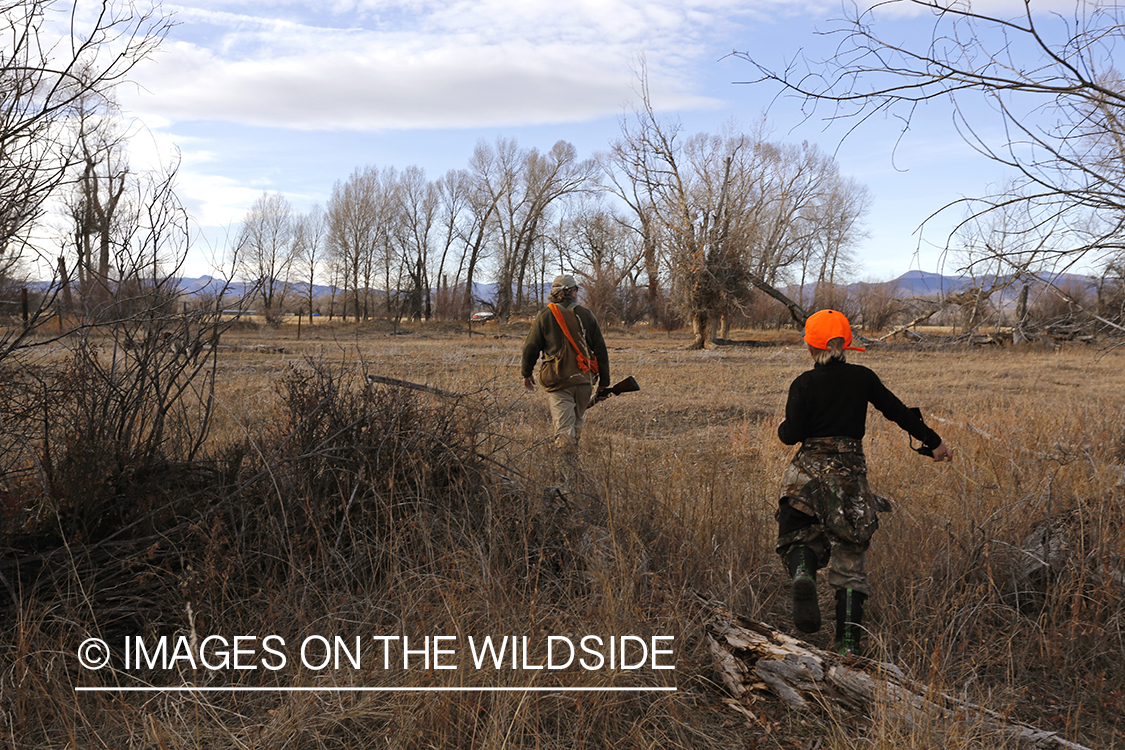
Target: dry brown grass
{"points": [[684, 477]]}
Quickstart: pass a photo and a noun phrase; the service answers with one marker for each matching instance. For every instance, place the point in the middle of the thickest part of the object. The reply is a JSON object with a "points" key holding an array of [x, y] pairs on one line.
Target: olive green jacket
{"points": [[546, 338]]}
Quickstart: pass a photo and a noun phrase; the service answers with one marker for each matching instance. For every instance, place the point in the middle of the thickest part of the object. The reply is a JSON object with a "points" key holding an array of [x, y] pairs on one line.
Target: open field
{"points": [[674, 497]]}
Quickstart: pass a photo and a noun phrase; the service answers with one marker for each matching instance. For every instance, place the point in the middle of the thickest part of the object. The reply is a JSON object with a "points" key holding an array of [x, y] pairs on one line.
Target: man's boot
{"points": [[849, 622], [806, 609]]}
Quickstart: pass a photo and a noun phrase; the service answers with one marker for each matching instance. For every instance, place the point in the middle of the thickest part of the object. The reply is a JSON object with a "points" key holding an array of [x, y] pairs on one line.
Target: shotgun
{"points": [[628, 385]]}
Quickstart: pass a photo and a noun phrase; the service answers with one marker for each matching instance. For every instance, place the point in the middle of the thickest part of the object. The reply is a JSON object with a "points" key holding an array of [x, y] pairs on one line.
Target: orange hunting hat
{"points": [[823, 326]]}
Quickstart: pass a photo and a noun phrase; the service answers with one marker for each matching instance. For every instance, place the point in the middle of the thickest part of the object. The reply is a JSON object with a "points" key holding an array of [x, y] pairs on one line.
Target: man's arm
{"points": [[532, 347], [596, 342]]}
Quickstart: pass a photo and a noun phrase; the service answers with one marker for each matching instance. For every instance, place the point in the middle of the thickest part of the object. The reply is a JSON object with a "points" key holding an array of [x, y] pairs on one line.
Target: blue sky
{"points": [[288, 96]]}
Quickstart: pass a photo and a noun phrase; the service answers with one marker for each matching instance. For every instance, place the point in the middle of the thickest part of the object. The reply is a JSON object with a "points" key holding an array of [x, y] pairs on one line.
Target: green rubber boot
{"points": [[806, 607], [849, 622]]}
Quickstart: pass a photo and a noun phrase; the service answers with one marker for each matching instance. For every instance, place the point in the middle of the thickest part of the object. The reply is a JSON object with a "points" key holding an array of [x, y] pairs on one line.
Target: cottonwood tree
{"points": [[452, 201], [309, 245], [417, 210], [618, 166], [523, 185], [55, 62], [94, 199], [593, 238], [807, 219], [675, 187], [729, 212], [837, 219], [265, 251], [1034, 91], [483, 185], [359, 216]]}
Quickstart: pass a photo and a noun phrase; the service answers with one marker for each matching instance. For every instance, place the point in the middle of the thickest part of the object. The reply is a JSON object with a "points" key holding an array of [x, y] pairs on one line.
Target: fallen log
{"points": [[752, 657], [384, 380], [911, 324]]}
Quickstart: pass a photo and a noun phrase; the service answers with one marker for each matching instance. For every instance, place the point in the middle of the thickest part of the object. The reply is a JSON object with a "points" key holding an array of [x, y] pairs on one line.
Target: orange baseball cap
{"points": [[821, 327]]}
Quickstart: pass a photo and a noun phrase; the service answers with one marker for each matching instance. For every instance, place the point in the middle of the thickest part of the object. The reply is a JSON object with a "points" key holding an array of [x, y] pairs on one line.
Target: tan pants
{"points": [[568, 405]]}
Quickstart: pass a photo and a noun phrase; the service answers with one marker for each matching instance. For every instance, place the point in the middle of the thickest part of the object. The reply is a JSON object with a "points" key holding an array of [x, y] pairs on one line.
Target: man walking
{"points": [[574, 359]]}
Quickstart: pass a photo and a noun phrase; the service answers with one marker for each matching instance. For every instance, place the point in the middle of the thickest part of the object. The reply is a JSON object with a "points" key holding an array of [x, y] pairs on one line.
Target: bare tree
{"points": [[597, 243], [55, 64], [838, 219], [524, 185], [452, 191], [44, 80], [266, 251], [418, 214], [94, 198], [618, 167], [486, 184], [730, 212], [687, 201], [309, 246], [358, 222]]}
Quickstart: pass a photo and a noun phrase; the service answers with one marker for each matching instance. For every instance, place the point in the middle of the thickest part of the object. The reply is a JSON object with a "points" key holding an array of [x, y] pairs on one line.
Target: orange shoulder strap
{"points": [[585, 364]]}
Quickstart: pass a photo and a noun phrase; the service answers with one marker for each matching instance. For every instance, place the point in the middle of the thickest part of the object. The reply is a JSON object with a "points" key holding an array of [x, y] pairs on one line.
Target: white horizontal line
{"points": [[237, 689]]}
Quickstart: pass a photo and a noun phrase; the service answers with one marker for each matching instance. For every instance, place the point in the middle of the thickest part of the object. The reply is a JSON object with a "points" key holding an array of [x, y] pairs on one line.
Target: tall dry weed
{"points": [[351, 509]]}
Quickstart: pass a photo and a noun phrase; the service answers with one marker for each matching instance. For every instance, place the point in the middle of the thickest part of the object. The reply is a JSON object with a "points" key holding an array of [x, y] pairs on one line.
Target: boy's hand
{"points": [[943, 452]]}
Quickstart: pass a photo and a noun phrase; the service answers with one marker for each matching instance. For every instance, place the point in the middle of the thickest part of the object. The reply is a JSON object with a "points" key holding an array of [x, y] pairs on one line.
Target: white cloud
{"points": [[214, 200], [425, 65]]}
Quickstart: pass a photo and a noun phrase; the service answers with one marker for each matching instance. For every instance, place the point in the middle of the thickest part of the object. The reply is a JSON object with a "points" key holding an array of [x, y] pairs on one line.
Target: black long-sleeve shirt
{"points": [[831, 400]]}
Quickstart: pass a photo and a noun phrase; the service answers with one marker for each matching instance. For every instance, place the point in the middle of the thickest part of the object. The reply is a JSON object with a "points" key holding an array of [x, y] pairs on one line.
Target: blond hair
{"points": [[562, 294], [835, 350]]}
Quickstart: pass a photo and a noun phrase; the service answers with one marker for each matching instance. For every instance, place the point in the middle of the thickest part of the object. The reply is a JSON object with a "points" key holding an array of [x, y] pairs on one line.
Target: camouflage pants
{"points": [[827, 480]]}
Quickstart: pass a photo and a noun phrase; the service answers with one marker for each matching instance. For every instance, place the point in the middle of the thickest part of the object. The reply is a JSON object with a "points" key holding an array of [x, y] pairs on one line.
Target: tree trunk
{"points": [[652, 270], [700, 327], [1019, 336], [752, 656], [64, 281]]}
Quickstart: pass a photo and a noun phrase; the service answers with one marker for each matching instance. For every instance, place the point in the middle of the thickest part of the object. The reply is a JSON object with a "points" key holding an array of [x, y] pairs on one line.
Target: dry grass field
{"points": [[319, 505]]}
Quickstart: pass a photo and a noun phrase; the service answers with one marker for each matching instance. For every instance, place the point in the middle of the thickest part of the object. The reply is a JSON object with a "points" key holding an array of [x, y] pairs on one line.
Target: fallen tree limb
{"points": [[795, 311], [384, 380], [754, 657], [748, 342], [911, 324]]}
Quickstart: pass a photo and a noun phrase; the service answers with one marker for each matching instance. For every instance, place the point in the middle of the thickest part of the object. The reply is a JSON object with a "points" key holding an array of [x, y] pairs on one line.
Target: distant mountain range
{"points": [[926, 284], [237, 289], [910, 284]]}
